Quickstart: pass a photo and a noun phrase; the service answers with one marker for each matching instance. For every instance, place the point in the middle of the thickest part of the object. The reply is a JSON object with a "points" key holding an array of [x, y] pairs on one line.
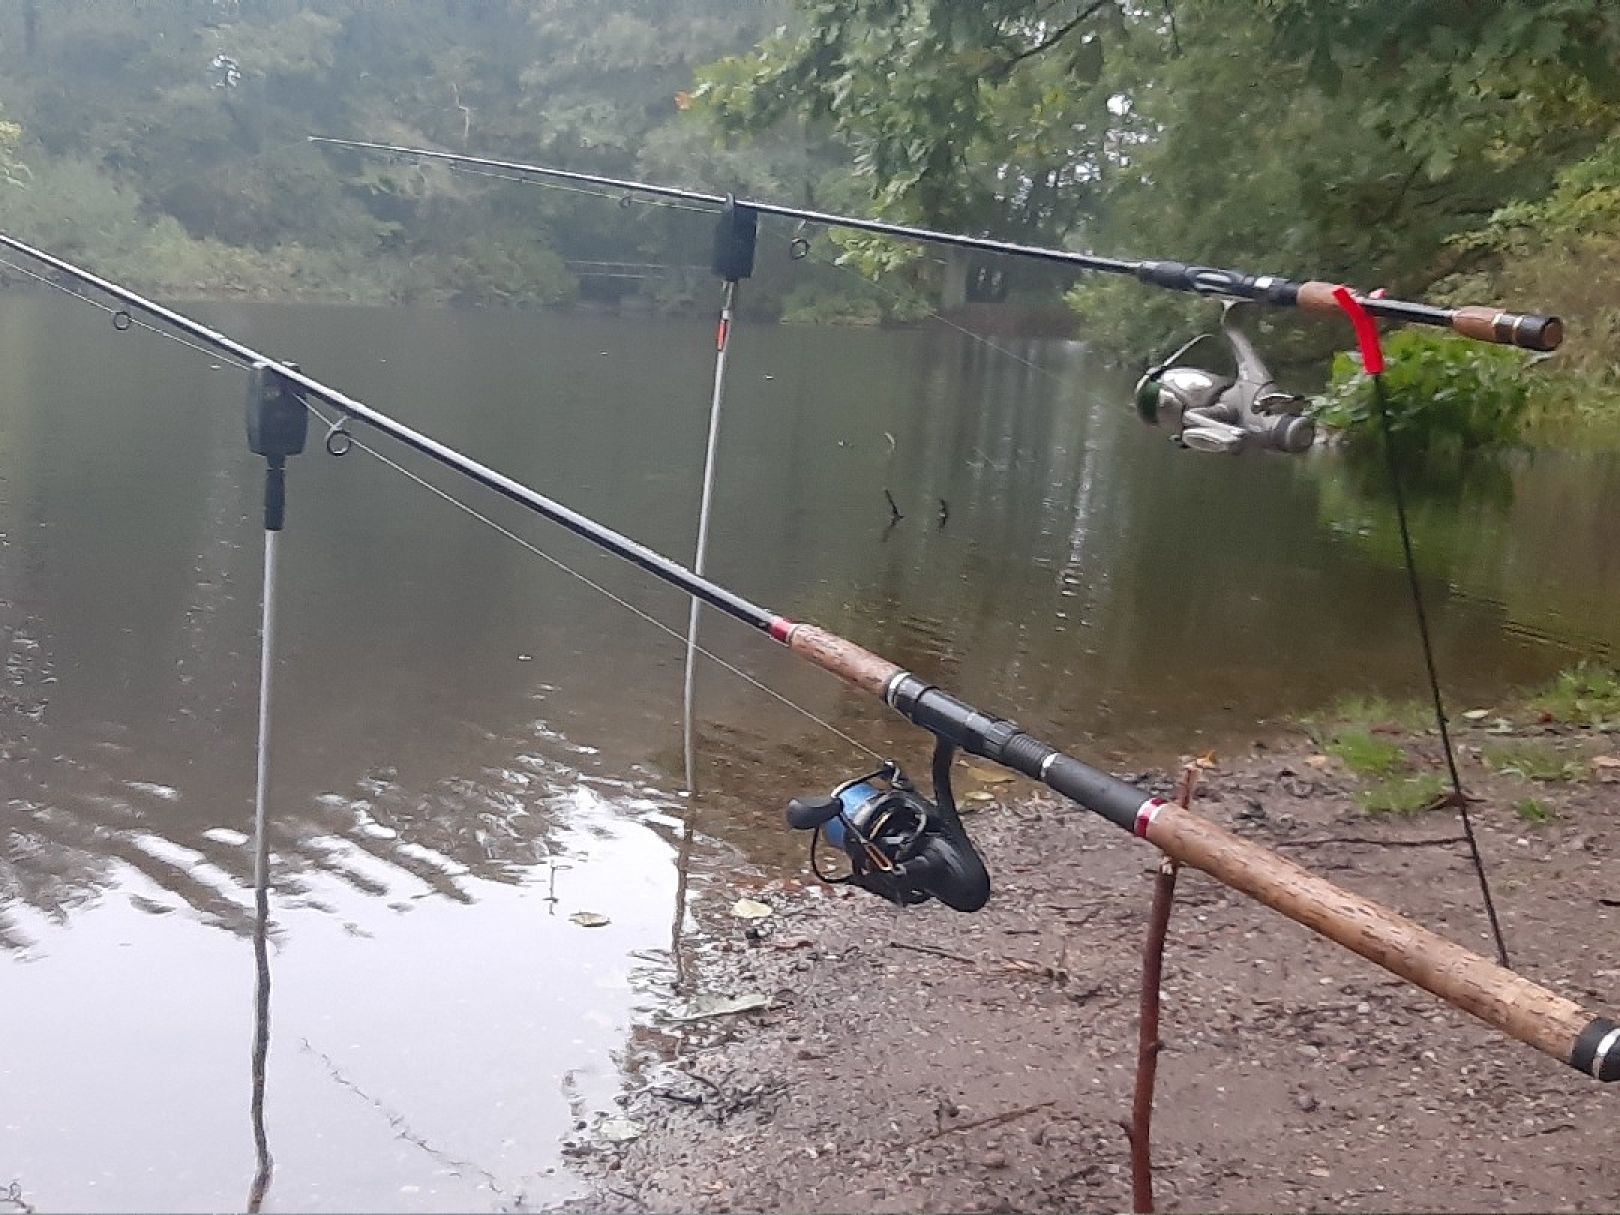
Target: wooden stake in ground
{"points": [[1140, 1128]]}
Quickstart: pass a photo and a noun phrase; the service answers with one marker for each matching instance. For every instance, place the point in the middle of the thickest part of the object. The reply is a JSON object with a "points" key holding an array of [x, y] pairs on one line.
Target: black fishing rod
{"points": [[903, 845], [1482, 322]]}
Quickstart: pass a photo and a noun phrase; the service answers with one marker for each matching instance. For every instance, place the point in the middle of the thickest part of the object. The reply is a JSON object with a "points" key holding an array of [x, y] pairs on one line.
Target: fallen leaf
{"points": [[703, 1007], [750, 909], [619, 1130], [978, 795], [590, 919], [1319, 761], [1605, 761], [987, 774], [1476, 714], [1206, 760]]}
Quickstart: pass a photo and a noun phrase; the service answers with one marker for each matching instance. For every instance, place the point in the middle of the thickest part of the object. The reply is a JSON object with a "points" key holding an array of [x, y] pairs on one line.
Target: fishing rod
{"points": [[1483, 323], [910, 848]]}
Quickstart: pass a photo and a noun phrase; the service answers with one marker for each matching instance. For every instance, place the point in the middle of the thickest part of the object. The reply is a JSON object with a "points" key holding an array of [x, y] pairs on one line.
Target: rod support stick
{"points": [[722, 345], [261, 873]]}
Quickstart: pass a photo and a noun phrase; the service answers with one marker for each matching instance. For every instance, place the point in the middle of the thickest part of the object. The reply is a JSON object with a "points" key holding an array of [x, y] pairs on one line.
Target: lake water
{"points": [[472, 746]]}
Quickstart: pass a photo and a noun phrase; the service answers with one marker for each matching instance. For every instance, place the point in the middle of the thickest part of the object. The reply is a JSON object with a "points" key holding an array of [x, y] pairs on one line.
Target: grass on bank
{"points": [[1403, 795], [1584, 695], [1540, 761], [1365, 755], [1534, 811]]}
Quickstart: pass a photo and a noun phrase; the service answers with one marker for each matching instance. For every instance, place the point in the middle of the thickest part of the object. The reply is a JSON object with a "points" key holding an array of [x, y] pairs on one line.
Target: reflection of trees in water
{"points": [[1530, 532], [1458, 510], [73, 832]]}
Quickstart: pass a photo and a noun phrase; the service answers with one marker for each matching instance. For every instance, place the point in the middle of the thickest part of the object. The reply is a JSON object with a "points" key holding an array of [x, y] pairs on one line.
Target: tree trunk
{"points": [[953, 292]]}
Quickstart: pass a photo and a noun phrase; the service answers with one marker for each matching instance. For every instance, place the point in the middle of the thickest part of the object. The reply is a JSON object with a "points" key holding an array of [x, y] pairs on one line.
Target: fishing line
{"points": [[897, 297], [1372, 364], [598, 587], [131, 319], [623, 199], [1380, 395], [403, 1130]]}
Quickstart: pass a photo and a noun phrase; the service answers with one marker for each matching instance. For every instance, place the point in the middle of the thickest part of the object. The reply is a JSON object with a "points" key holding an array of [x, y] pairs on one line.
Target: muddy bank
{"points": [[929, 1061]]}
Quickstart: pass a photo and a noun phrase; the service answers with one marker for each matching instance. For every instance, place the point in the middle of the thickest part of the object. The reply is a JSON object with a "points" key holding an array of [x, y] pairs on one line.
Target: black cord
{"points": [[1380, 395]]}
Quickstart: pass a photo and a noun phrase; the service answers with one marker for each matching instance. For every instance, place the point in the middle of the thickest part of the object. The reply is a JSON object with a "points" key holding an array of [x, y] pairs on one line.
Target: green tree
{"points": [[980, 117], [10, 135]]}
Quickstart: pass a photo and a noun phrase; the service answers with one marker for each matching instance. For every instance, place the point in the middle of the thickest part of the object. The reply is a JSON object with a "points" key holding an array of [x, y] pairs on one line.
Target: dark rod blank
{"points": [[1484, 323]]}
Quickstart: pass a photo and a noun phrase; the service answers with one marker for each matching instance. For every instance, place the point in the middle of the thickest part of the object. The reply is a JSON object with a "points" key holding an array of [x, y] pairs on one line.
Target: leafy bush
{"points": [[507, 268], [812, 304], [10, 171], [1444, 393], [75, 209], [1563, 251]]}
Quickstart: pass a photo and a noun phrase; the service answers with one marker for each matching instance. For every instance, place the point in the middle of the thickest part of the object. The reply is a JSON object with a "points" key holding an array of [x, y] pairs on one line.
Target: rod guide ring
{"points": [[339, 441]]}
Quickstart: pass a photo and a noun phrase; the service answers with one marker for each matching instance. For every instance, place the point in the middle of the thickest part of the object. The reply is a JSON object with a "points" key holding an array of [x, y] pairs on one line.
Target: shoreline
{"points": [[923, 1060], [986, 320]]}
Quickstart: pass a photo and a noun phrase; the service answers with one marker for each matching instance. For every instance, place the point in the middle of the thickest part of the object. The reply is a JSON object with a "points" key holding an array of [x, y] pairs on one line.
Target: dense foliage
{"points": [[164, 140], [1444, 393], [1447, 148], [1452, 148]]}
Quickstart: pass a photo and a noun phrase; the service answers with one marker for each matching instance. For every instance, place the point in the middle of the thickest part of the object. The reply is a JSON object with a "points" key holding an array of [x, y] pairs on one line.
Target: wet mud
{"points": [[923, 1060]]}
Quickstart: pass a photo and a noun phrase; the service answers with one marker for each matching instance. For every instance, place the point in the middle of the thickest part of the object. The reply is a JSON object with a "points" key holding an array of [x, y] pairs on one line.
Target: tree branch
{"points": [[1057, 36]]}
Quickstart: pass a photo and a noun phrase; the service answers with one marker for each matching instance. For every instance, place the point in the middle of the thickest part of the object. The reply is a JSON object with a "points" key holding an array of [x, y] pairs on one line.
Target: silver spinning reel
{"points": [[1227, 413]]}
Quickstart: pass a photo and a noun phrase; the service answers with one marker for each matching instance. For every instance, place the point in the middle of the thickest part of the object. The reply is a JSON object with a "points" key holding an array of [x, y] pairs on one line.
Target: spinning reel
{"points": [[900, 845], [1225, 413]]}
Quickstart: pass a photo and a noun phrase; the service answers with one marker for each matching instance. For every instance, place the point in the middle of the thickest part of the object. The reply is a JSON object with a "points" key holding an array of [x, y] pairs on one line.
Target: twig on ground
{"points": [[1439, 841], [935, 951], [992, 1120]]}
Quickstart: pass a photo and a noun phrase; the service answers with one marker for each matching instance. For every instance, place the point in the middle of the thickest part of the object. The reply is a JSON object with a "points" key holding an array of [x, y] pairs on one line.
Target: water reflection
{"points": [[472, 747]]}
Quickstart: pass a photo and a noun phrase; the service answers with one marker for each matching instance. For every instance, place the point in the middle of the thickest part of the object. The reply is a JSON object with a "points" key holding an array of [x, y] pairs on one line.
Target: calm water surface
{"points": [[472, 746]]}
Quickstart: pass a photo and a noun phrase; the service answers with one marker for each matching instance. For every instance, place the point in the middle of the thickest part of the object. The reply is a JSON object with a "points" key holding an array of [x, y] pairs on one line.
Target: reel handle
{"points": [[808, 813]]}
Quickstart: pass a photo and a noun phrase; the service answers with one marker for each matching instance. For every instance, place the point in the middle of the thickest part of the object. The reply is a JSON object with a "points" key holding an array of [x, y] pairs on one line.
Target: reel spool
{"points": [[900, 845], [1207, 411]]}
